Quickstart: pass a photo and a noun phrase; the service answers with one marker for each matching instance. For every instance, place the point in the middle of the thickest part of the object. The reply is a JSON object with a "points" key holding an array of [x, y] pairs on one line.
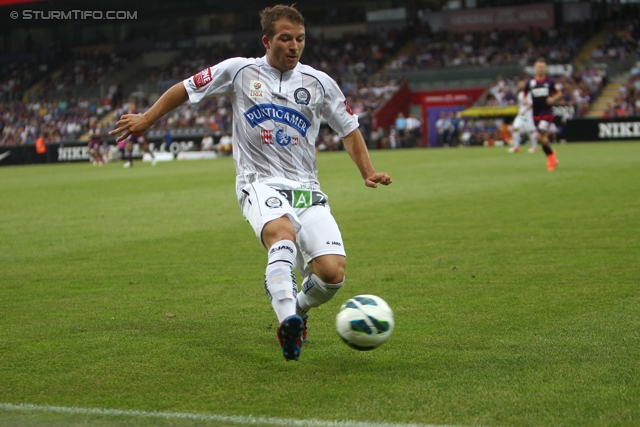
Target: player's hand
{"points": [[550, 100], [128, 124], [380, 177]]}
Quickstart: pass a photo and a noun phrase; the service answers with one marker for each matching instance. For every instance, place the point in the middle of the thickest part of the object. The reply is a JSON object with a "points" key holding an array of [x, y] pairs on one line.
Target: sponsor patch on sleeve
{"points": [[349, 110], [202, 78]]}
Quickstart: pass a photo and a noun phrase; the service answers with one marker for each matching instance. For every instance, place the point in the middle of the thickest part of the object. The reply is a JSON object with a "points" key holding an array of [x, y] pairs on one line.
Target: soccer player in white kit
{"points": [[278, 104], [523, 122]]}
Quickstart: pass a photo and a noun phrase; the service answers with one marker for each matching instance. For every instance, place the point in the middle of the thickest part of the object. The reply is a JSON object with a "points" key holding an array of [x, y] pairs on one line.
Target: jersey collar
{"points": [[275, 71]]}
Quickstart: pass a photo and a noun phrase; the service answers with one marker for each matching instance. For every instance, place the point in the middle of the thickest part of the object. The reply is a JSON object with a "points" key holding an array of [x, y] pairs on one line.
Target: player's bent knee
{"points": [[329, 268]]}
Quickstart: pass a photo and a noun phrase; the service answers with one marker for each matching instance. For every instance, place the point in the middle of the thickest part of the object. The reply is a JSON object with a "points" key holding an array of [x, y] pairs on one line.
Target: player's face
{"points": [[285, 47], [521, 84], [540, 69]]}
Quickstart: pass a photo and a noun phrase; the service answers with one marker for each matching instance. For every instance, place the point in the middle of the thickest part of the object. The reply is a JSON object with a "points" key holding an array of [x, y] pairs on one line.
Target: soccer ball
{"points": [[365, 322]]}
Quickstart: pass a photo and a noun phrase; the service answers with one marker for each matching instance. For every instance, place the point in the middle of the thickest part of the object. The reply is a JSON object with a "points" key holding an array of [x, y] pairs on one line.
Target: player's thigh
{"points": [[542, 127], [320, 234], [517, 124], [262, 204], [528, 125]]}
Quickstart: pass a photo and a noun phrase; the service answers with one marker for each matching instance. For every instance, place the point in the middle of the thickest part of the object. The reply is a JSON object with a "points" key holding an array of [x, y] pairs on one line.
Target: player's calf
{"points": [[279, 280]]}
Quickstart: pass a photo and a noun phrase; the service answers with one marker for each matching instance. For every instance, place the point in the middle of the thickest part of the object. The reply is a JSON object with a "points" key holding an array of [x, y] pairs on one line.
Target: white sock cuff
{"points": [[315, 292], [283, 250], [314, 281]]}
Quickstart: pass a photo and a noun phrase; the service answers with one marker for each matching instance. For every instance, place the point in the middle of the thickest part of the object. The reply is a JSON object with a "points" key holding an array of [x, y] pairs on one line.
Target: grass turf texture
{"points": [[515, 292]]}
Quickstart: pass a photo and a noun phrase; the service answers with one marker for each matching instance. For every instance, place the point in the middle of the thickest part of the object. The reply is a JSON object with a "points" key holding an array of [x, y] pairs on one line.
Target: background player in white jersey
{"points": [[523, 123], [278, 104]]}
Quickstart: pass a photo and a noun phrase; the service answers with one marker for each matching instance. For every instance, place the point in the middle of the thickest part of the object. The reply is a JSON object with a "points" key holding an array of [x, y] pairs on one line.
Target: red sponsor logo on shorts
{"points": [[294, 140], [266, 136], [349, 110], [202, 78]]}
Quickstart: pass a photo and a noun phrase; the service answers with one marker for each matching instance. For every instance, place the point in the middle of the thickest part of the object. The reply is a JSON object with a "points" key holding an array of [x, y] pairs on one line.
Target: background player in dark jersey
{"points": [[136, 138], [544, 92]]}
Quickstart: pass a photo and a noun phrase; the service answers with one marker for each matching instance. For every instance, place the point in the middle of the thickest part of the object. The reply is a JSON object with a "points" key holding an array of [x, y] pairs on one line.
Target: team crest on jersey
{"points": [[256, 89], [278, 135], [273, 202], [202, 78], [301, 96], [532, 83]]}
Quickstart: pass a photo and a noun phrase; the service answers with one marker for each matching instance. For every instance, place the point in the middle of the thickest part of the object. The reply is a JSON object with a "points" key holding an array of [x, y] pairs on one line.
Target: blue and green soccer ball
{"points": [[365, 322]]}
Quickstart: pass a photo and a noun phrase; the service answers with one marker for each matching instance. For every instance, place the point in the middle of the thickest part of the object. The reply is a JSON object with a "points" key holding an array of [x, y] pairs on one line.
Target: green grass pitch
{"points": [[516, 293]]}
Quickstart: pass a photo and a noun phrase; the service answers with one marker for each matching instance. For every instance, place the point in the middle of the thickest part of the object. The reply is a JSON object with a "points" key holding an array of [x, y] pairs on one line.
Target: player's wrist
{"points": [[147, 120]]}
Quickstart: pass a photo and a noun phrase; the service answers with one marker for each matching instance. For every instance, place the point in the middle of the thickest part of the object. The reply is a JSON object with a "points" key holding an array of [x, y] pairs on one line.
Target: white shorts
{"points": [[317, 232], [524, 124]]}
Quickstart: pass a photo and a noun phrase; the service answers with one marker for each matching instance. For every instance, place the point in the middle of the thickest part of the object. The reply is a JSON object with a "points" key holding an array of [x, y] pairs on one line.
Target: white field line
{"points": [[201, 417]]}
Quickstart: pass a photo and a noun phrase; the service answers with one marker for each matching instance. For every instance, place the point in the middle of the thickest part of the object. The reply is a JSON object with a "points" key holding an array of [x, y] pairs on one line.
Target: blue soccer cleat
{"points": [[290, 335]]}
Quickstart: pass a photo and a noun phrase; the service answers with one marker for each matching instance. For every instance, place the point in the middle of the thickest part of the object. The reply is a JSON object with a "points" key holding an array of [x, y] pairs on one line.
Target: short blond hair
{"points": [[270, 15]]}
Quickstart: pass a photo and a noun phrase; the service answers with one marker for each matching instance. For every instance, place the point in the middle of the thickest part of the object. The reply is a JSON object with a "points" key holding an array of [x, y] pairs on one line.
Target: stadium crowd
{"points": [[506, 47], [622, 43], [628, 102], [16, 77], [86, 69], [57, 120]]}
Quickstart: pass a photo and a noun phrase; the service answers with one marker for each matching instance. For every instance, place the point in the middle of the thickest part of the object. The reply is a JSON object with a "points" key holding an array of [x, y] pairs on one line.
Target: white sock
{"points": [[314, 293], [516, 138], [279, 280], [533, 139]]}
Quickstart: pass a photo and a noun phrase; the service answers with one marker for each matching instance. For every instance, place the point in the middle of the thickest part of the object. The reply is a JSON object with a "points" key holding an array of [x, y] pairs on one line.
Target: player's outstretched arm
{"points": [[357, 149], [138, 123]]}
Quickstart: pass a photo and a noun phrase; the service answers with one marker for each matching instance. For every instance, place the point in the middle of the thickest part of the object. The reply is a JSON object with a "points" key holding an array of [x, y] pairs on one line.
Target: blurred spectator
{"points": [[207, 143], [442, 129], [225, 145], [453, 131], [414, 127], [401, 126]]}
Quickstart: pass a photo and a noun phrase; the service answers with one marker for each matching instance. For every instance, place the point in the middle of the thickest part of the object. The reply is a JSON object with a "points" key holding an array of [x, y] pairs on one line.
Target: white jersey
{"points": [[525, 104], [276, 116]]}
